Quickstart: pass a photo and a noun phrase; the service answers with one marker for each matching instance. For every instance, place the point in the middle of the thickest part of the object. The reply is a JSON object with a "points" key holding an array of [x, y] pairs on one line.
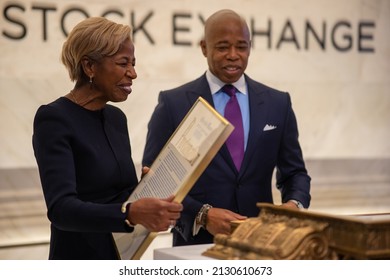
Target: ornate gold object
{"points": [[283, 233]]}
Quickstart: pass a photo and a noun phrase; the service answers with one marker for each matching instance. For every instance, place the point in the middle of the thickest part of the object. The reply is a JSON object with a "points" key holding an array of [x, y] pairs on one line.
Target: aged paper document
{"points": [[180, 163]]}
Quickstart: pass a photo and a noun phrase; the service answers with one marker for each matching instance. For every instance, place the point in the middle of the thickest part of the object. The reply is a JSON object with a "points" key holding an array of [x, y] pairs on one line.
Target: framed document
{"points": [[180, 163]]}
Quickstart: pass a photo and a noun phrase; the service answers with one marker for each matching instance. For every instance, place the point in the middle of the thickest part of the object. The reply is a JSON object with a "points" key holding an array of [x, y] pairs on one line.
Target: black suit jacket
{"points": [[86, 171], [272, 142]]}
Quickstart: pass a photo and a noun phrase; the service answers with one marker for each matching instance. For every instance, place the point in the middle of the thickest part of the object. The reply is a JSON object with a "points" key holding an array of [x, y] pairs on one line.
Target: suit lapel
{"points": [[202, 88], [256, 95], [257, 120]]}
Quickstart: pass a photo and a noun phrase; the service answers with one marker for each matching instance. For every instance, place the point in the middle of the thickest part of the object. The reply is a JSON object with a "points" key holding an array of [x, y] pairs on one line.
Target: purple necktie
{"points": [[235, 142]]}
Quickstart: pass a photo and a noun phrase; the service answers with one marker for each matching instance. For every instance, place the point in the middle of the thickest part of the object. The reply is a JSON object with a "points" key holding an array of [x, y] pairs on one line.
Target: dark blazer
{"points": [[86, 171], [272, 142]]}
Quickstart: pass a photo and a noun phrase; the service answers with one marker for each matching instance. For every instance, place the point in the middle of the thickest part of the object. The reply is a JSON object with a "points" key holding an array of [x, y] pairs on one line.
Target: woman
{"points": [[83, 152]]}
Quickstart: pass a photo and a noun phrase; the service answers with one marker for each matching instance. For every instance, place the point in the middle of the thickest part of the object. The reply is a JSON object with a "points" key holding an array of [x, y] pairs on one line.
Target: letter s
{"points": [[7, 16]]}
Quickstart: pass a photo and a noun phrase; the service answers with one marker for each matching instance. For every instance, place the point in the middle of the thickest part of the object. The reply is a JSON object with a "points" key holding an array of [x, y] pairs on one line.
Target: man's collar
{"points": [[216, 84]]}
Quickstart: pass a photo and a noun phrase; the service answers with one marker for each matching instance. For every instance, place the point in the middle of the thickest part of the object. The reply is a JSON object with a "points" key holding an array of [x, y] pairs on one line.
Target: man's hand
{"points": [[290, 204], [218, 220]]}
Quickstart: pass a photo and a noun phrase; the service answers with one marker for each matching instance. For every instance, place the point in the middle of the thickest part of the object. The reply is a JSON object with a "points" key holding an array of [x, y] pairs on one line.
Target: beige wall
{"points": [[341, 97]]}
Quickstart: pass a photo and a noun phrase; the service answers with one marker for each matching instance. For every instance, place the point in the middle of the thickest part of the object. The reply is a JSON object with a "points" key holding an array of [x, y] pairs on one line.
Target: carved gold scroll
{"points": [[281, 233]]}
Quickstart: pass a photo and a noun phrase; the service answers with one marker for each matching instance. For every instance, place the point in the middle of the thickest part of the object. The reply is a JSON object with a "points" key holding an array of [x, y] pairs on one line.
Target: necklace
{"points": [[83, 103], [71, 93]]}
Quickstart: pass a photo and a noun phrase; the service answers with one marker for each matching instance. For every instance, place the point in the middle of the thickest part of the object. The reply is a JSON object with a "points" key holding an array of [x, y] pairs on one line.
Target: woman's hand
{"points": [[145, 170], [155, 214]]}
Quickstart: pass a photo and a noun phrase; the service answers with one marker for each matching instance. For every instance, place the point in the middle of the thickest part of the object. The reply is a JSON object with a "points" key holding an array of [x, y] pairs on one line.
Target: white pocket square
{"points": [[269, 127]]}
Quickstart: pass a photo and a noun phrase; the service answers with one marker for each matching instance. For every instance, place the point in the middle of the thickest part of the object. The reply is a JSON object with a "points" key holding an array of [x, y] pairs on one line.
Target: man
{"points": [[229, 190]]}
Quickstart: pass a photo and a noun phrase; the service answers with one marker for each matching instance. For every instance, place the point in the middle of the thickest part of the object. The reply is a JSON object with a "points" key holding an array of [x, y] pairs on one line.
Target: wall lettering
{"points": [[341, 36]]}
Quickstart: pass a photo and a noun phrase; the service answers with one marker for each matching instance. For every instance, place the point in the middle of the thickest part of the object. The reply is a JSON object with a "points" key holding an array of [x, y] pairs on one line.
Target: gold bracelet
{"points": [[125, 209]]}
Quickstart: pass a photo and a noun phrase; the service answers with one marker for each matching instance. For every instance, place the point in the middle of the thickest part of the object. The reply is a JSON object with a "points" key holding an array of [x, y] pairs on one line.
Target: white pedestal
{"points": [[162, 240], [191, 252]]}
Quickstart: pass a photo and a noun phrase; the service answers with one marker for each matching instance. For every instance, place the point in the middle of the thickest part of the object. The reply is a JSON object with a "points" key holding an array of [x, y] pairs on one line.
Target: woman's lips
{"points": [[126, 88]]}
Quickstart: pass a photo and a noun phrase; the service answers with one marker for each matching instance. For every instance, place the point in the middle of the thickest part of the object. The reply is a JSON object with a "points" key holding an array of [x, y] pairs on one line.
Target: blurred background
{"points": [[332, 56]]}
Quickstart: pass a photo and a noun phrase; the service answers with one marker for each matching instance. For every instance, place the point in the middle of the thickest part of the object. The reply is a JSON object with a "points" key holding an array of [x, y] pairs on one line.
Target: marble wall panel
{"points": [[340, 89]]}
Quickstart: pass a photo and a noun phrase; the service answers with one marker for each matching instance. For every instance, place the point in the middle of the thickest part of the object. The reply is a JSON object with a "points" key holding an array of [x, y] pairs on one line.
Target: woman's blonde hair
{"points": [[95, 38]]}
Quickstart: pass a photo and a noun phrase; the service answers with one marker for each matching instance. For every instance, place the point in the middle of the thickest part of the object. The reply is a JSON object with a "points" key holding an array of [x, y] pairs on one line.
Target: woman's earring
{"points": [[90, 81]]}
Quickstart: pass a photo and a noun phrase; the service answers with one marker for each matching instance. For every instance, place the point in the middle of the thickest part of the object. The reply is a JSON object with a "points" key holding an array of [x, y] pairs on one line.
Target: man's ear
{"points": [[203, 47]]}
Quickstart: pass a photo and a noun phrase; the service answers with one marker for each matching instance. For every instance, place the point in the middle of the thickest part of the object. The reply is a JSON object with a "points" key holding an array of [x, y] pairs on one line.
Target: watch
{"points": [[297, 203], [201, 218]]}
